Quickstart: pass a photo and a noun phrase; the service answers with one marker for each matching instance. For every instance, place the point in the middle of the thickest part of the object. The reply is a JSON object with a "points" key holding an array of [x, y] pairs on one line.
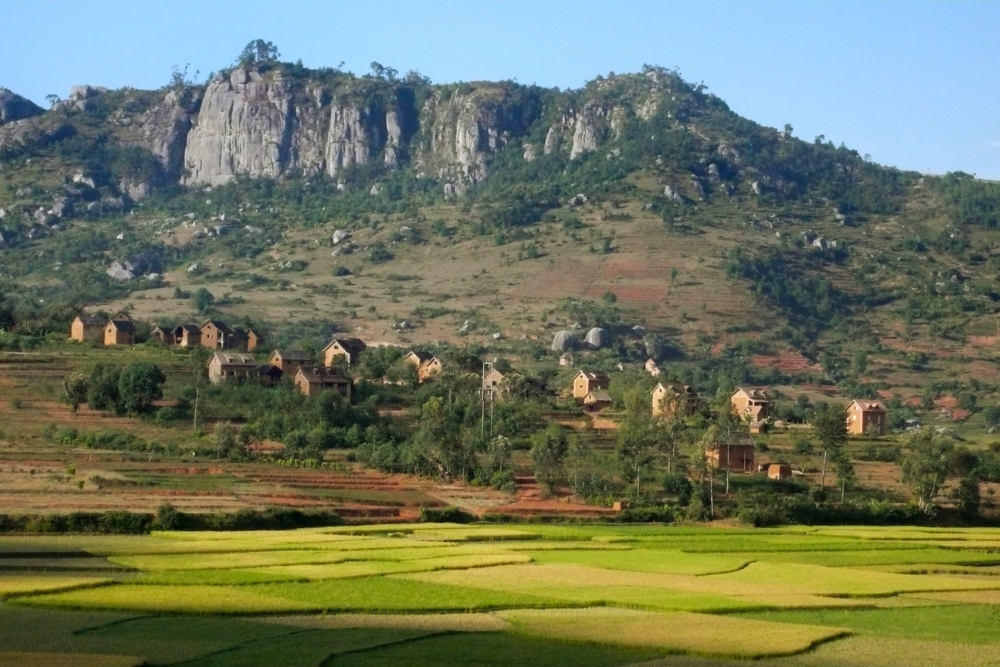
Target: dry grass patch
{"points": [[699, 634], [68, 660], [23, 585], [173, 599], [472, 622]]}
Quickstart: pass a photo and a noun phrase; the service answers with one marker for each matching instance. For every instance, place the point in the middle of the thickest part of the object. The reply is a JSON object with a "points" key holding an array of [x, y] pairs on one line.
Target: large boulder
{"points": [[563, 341], [598, 338], [14, 107]]}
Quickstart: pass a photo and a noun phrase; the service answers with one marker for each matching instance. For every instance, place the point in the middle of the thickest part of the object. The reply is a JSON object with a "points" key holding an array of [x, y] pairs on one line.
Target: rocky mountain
{"points": [[269, 122], [405, 210]]}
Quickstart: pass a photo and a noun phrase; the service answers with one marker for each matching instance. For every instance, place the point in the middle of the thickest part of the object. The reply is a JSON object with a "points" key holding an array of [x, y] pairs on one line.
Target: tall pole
{"points": [[822, 479]]}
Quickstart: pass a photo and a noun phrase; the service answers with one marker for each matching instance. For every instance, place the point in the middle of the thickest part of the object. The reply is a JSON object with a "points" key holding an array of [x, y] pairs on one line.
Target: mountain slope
{"points": [[494, 208]]}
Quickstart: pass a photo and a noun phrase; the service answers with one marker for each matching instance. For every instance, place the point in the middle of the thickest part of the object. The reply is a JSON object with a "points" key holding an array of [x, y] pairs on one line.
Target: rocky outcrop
{"points": [[357, 134], [14, 107], [244, 128], [466, 129], [164, 129]]}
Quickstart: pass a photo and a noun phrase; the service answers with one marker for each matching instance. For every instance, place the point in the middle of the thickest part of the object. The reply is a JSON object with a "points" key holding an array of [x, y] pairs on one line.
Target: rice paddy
{"points": [[549, 595]]}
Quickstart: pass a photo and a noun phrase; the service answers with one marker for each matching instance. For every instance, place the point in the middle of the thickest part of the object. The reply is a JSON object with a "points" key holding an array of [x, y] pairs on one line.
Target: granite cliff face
{"points": [[269, 122], [463, 130], [244, 127]]}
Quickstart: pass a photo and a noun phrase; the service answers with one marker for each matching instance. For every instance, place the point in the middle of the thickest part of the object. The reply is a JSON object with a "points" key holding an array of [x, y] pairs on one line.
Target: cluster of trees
{"points": [[130, 389]]}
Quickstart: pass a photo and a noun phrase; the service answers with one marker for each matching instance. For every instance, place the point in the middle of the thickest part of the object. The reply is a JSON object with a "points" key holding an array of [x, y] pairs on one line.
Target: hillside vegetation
{"points": [[489, 216]]}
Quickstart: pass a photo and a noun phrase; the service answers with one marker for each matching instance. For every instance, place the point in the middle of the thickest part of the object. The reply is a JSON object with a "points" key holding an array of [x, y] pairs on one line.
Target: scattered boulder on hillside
{"points": [[78, 96], [450, 191], [578, 200], [80, 179], [671, 193], [61, 208], [757, 189], [698, 187], [598, 338], [14, 107], [127, 269], [340, 235], [713, 173], [376, 190], [563, 341]]}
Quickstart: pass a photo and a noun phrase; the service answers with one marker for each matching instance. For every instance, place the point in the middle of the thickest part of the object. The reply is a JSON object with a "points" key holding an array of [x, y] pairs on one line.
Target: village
{"points": [[232, 361]]}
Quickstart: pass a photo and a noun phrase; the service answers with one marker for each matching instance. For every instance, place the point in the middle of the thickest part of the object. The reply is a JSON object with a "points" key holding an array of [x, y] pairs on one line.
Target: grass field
{"points": [[493, 595]]}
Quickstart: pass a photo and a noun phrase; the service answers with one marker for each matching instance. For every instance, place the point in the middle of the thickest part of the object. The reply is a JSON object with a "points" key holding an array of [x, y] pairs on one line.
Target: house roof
{"points": [[594, 376], [253, 334], [221, 326], [598, 396], [91, 320], [867, 405], [320, 375], [292, 355], [734, 439], [240, 333], [753, 392], [421, 355], [269, 369], [189, 328], [352, 345], [677, 388], [122, 325], [233, 359]]}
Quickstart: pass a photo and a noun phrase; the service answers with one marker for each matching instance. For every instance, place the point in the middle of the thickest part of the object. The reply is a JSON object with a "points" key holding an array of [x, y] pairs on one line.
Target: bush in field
{"points": [[139, 384], [548, 452], [102, 388], [75, 388], [926, 466]]}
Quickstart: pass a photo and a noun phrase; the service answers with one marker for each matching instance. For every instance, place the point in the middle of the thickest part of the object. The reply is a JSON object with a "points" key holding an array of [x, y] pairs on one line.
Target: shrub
{"points": [[445, 515]]}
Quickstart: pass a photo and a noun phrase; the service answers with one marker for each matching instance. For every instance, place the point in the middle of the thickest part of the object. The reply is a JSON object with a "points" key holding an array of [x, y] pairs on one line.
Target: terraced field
{"points": [[436, 594]]}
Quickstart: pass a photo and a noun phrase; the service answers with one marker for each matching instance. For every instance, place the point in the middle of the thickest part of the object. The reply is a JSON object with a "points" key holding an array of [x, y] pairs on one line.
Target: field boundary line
{"points": [[736, 569], [327, 661]]}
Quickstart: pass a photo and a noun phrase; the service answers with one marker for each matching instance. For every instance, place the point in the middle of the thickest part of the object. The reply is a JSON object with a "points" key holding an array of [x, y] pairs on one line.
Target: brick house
{"points": [[865, 417], [254, 340], [349, 348], [119, 332], [779, 471], [585, 382], [216, 335], [240, 340], [734, 451], [164, 337], [595, 400], [427, 364], [673, 398], [310, 380], [288, 361], [269, 374], [187, 335], [493, 379], [226, 366], [752, 404], [87, 328]]}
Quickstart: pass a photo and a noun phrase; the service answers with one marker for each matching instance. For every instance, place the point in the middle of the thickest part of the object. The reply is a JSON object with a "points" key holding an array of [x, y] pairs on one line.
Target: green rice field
{"points": [[439, 594]]}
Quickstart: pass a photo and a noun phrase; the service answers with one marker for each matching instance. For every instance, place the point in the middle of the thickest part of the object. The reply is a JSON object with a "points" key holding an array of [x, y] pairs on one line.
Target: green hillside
{"points": [[492, 215]]}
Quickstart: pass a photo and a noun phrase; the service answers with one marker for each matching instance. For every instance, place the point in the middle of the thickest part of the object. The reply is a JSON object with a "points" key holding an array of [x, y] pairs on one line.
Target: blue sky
{"points": [[914, 84]]}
